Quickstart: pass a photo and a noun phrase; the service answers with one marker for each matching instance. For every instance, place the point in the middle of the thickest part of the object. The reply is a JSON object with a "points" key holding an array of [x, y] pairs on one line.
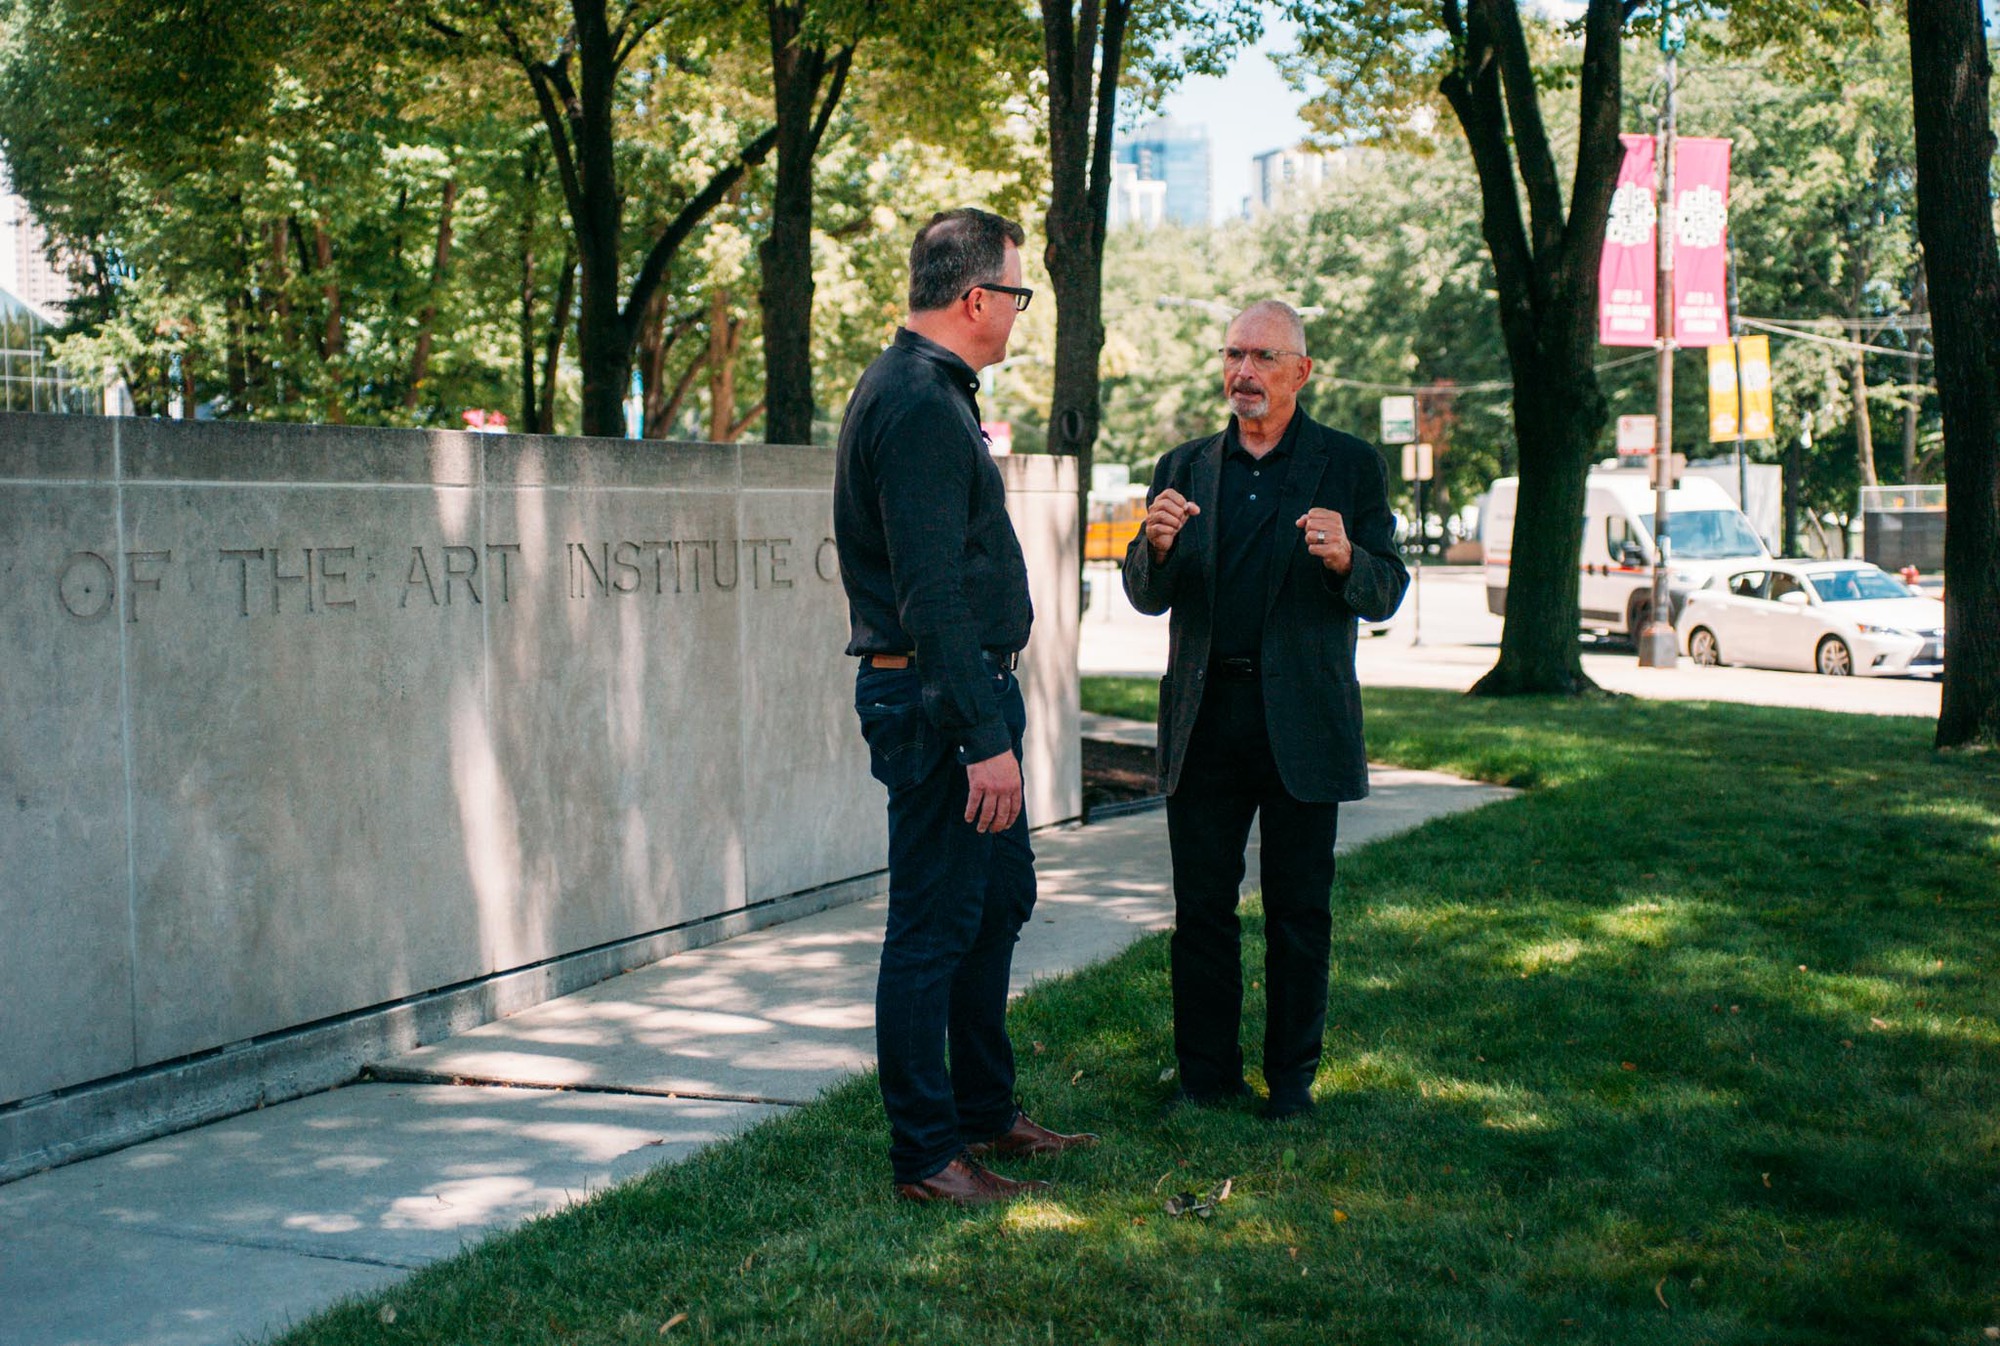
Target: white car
{"points": [[1833, 617]]}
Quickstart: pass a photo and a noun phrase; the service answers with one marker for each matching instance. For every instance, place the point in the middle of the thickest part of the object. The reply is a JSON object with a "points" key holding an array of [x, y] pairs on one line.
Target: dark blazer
{"points": [[1312, 702]]}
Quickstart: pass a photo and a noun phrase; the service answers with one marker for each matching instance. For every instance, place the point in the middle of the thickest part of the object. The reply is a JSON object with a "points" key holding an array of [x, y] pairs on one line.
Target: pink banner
{"points": [[1628, 277], [1701, 235]]}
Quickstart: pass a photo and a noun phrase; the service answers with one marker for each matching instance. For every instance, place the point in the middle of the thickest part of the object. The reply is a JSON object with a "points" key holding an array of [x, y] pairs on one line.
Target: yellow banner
{"points": [[1756, 404]]}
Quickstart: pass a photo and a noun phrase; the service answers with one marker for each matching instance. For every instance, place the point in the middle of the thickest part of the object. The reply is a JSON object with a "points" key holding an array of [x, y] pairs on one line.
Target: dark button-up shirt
{"points": [[927, 552], [1246, 514]]}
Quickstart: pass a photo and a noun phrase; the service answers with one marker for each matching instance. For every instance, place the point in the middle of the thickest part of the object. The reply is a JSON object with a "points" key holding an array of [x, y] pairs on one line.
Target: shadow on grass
{"points": [[1697, 1042]]}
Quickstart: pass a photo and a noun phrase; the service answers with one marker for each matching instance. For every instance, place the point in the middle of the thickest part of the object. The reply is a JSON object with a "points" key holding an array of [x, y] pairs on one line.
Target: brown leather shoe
{"points": [[1027, 1136], [964, 1183]]}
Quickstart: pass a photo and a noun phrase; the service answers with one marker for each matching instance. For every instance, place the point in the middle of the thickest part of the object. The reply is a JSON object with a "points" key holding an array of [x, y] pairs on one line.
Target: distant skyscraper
{"points": [[1167, 151], [25, 272], [1289, 176], [1135, 204]]}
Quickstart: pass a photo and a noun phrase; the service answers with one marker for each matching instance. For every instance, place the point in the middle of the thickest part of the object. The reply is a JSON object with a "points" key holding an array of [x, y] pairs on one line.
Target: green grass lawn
{"points": [[1697, 1041]]}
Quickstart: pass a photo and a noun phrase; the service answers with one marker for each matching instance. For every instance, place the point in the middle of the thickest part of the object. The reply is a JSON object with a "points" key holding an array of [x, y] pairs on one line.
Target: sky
{"points": [[1247, 111]]}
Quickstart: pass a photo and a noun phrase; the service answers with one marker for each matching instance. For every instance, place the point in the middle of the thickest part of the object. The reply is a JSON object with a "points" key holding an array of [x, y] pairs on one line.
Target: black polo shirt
{"points": [[1247, 509]]}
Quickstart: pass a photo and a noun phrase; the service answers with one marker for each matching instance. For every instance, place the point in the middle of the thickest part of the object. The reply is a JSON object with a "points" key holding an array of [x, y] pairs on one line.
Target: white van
{"points": [[1706, 535]]}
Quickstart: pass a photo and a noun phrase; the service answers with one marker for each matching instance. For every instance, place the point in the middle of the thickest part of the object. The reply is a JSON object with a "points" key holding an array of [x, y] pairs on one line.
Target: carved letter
{"points": [[626, 569], [781, 562], [598, 573], [420, 573], [452, 574], [504, 549], [716, 551], [134, 583], [86, 586], [329, 577], [826, 560], [279, 578], [243, 556]]}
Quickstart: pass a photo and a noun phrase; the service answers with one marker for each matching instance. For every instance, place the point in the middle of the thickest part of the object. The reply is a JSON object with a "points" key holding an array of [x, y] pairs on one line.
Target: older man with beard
{"points": [[1265, 542]]}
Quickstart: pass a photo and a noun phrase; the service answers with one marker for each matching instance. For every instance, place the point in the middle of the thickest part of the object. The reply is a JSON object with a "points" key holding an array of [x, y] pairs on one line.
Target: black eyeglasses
{"points": [[1021, 296]]}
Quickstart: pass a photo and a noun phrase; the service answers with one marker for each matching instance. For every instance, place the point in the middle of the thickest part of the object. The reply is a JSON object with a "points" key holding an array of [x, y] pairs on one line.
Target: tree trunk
{"points": [[420, 359], [545, 419], [723, 334], [1084, 50], [798, 71], [1864, 423], [530, 410], [333, 342], [1546, 268], [1913, 404], [1954, 136]]}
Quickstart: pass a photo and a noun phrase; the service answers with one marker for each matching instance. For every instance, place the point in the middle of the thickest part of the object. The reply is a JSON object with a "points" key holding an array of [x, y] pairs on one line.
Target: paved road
{"points": [[1460, 640]]}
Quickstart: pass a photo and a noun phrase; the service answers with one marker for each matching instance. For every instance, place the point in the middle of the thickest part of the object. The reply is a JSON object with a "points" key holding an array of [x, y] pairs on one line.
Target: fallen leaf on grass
{"points": [[386, 1314], [1039, 1049], [1627, 1065], [1879, 1023], [1167, 1074], [1767, 1180], [1662, 1298], [1074, 1078], [672, 1323]]}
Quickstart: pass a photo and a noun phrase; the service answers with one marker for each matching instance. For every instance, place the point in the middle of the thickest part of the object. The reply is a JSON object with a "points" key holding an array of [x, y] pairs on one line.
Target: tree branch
{"points": [[1598, 152], [841, 63], [1113, 43], [683, 224], [1524, 115], [750, 416], [1473, 90]]}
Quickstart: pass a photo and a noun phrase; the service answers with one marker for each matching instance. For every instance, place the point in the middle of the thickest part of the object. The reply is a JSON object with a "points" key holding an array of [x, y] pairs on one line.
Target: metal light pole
{"points": [[1736, 359], [1656, 643]]}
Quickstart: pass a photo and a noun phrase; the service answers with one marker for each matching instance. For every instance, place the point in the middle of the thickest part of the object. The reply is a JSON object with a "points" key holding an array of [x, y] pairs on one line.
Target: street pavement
{"points": [[1444, 638], [232, 1231]]}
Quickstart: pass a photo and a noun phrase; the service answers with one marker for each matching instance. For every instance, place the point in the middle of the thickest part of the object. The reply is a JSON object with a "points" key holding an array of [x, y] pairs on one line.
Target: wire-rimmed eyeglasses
{"points": [[1264, 357]]}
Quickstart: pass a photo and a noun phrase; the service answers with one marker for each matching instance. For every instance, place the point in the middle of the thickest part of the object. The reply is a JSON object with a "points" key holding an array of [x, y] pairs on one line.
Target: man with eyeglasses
{"points": [[937, 597], [1265, 542]]}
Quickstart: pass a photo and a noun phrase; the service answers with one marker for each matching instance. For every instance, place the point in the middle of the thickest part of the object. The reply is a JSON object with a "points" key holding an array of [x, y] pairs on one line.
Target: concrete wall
{"points": [[304, 721]]}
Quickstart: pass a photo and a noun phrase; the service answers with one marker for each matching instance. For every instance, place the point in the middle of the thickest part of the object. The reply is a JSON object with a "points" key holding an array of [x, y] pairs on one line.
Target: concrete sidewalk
{"points": [[239, 1228]]}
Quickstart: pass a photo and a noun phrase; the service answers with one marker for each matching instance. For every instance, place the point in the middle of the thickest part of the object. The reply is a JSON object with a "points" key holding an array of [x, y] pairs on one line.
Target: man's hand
{"points": [[993, 793], [1326, 538], [1170, 512]]}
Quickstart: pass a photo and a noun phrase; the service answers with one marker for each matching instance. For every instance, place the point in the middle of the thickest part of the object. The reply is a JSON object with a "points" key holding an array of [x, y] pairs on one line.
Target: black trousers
{"points": [[1228, 779]]}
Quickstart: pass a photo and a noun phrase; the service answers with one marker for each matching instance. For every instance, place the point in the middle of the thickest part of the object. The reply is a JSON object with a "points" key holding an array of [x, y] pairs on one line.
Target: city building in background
{"points": [[25, 271], [32, 293], [1136, 203], [1176, 155], [29, 380], [1290, 176]]}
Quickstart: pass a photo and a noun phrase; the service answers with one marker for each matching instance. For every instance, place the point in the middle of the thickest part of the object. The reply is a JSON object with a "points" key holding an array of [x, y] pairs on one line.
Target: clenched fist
{"points": [[1170, 512], [1326, 538]]}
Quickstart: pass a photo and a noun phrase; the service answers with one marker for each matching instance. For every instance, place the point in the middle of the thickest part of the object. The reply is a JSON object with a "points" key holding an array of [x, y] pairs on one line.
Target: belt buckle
{"points": [[1239, 667]]}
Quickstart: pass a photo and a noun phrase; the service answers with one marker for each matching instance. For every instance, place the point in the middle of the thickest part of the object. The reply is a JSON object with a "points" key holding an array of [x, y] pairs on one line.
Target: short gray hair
{"points": [[1295, 326], [957, 250]]}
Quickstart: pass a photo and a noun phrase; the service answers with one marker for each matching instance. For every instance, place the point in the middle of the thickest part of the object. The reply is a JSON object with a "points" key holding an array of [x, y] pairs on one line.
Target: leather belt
{"points": [[1001, 661], [1242, 668]]}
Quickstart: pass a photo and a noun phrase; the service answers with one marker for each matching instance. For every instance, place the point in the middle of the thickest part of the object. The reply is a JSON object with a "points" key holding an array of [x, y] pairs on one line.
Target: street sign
{"points": [[1399, 420], [1416, 462], [1636, 434]]}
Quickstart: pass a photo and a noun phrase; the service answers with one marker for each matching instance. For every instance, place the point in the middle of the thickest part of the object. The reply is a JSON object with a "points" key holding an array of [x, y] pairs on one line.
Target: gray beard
{"points": [[1250, 406]]}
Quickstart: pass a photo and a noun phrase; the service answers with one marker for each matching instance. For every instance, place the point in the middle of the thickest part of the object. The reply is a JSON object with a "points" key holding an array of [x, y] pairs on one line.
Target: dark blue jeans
{"points": [[957, 901]]}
